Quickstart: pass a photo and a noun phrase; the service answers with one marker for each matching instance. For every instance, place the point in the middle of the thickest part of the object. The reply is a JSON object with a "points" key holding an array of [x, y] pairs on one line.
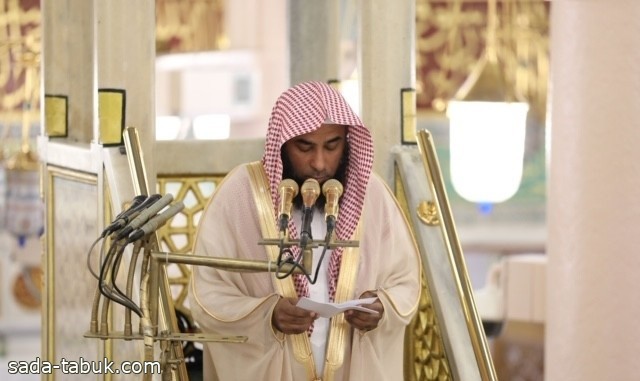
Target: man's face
{"points": [[316, 154]]}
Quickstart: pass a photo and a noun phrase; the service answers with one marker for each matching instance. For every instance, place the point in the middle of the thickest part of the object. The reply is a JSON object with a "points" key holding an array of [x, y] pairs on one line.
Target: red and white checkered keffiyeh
{"points": [[303, 109]]}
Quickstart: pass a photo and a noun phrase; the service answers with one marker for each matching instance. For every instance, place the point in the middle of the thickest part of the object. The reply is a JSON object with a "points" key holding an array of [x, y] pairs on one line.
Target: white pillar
{"points": [[68, 59], [386, 64], [125, 52], [593, 205], [314, 40]]}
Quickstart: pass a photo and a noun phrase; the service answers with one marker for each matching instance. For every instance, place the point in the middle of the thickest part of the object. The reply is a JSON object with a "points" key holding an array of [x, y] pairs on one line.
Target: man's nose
{"points": [[318, 161]]}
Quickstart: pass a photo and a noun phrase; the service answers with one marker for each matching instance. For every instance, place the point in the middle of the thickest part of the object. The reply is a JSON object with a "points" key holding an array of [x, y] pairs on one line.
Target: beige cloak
{"points": [[231, 303]]}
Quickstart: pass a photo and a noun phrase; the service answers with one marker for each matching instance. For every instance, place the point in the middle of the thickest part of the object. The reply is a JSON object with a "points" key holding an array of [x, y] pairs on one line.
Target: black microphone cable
{"points": [[315, 276], [139, 203], [91, 270], [111, 291], [121, 295], [126, 235], [295, 263], [288, 260]]}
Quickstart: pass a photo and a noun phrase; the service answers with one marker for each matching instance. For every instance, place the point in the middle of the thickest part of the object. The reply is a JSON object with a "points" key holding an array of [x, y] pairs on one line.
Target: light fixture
{"points": [[349, 89], [212, 127], [168, 127], [487, 130]]}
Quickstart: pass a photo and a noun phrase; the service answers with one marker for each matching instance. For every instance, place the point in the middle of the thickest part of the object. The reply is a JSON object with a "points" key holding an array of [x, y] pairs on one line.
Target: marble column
{"points": [[593, 209], [67, 62], [125, 60], [386, 64], [314, 40]]}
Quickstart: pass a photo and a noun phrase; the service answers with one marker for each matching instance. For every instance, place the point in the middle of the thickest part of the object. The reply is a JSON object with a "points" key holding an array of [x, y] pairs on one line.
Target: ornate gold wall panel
{"points": [[189, 26], [425, 358], [20, 46], [451, 37]]}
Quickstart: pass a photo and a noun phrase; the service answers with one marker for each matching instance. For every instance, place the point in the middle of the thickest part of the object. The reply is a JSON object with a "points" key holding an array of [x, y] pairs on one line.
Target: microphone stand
{"points": [[156, 301], [306, 247], [305, 239], [229, 264]]}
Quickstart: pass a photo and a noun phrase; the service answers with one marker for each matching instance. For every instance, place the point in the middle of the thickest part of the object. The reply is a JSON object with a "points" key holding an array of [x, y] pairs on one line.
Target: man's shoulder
{"points": [[236, 178], [379, 192], [239, 172], [377, 184]]}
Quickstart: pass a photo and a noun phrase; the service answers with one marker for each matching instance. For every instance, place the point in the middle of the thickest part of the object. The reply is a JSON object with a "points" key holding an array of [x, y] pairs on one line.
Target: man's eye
{"points": [[304, 147], [332, 146]]}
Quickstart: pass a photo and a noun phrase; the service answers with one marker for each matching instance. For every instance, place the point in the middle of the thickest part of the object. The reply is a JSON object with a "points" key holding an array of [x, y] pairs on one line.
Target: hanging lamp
{"points": [[487, 129]]}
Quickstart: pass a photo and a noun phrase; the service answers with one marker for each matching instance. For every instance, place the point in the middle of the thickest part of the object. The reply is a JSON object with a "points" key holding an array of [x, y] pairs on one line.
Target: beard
{"points": [[289, 173]]}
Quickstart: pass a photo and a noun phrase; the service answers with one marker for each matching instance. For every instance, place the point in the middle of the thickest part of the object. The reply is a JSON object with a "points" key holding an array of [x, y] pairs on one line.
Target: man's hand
{"points": [[365, 321], [289, 319]]}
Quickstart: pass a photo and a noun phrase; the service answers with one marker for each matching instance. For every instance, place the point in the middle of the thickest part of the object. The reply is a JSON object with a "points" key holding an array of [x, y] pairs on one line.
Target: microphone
{"points": [[332, 190], [310, 191], [145, 215], [288, 189], [156, 222], [139, 202]]}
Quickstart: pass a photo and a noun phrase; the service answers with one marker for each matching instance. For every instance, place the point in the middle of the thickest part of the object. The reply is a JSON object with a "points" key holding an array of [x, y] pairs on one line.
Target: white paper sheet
{"points": [[328, 310]]}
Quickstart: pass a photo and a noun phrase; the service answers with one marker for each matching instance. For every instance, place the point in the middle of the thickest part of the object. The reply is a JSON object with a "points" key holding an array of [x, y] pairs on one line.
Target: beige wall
{"points": [[593, 306]]}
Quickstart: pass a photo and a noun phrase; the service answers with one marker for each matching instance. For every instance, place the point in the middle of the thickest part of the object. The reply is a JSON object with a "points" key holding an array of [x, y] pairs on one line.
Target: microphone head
{"points": [[288, 185], [288, 189], [131, 205], [332, 190], [310, 191], [332, 185]]}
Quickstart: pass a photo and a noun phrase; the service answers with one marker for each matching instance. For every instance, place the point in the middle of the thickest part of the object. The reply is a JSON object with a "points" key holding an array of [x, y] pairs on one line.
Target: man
{"points": [[313, 134]]}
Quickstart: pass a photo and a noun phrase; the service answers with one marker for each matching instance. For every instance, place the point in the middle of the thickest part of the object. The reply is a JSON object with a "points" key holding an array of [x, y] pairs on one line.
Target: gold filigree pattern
{"points": [[450, 37], [428, 213], [424, 346], [178, 234], [20, 45], [189, 26]]}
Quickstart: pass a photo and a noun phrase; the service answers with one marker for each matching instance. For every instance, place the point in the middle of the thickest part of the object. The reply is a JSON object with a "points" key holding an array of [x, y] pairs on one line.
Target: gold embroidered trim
{"points": [[339, 333], [286, 287]]}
